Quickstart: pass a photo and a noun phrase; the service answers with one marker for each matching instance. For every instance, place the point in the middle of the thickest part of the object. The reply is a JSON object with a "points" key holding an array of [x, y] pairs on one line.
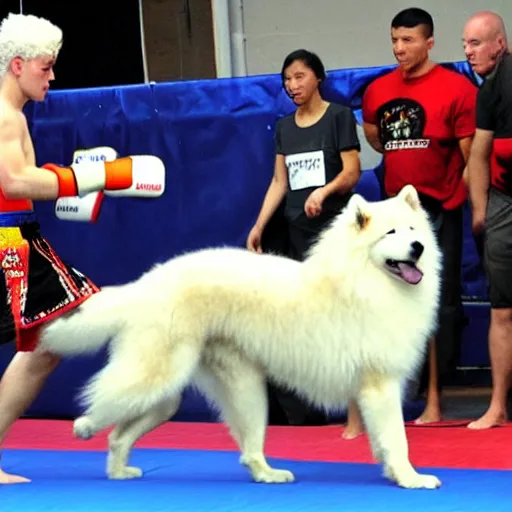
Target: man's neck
{"points": [[499, 58], [418, 71], [11, 93]]}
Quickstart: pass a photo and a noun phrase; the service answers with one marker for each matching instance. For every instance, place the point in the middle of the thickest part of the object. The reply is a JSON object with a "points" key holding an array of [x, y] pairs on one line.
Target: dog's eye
{"points": [[411, 228], [391, 232]]}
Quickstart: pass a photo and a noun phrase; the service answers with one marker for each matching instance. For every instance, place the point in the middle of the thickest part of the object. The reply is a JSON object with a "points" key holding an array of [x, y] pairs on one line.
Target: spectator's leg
{"points": [[498, 266], [444, 347], [355, 426]]}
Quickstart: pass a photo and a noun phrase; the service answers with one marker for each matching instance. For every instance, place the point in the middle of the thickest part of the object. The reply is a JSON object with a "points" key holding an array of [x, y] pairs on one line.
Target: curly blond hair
{"points": [[28, 37]]}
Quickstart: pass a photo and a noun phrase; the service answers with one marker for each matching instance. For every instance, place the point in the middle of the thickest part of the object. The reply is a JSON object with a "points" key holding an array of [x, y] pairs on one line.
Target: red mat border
{"points": [[449, 445]]}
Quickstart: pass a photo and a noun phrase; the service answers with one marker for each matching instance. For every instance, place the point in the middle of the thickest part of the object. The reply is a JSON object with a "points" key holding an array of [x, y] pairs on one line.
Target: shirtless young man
{"points": [[35, 285]]}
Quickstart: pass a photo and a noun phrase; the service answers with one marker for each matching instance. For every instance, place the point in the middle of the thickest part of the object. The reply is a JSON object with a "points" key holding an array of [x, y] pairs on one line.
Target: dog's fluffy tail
{"points": [[88, 328]]}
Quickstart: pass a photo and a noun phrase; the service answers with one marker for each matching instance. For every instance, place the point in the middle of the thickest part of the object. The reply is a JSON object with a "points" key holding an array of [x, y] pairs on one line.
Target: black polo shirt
{"points": [[494, 113]]}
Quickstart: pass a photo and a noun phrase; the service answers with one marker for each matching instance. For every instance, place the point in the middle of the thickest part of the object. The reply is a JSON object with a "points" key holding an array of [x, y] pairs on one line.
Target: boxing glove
{"points": [[136, 176], [97, 154], [148, 179], [79, 209], [87, 208]]}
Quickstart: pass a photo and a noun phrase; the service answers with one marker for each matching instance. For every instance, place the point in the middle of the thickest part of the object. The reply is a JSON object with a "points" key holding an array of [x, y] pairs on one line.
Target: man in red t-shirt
{"points": [[421, 116]]}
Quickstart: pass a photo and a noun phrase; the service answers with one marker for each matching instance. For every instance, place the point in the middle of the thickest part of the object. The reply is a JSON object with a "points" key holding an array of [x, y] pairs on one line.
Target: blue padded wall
{"points": [[216, 140]]}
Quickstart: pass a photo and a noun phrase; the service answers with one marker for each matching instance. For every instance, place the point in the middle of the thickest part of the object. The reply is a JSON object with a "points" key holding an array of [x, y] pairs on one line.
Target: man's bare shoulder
{"points": [[12, 122]]}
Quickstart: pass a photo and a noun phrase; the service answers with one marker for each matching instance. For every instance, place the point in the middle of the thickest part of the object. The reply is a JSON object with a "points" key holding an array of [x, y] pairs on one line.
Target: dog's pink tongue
{"points": [[410, 274]]}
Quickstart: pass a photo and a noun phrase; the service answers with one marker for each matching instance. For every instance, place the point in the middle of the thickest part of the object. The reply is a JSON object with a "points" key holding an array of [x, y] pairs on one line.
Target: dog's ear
{"points": [[358, 211], [362, 219], [410, 196]]}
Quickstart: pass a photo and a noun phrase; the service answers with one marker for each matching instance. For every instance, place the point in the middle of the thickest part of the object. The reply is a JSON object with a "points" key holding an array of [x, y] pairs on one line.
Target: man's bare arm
{"points": [[19, 180], [465, 148], [371, 132], [479, 176]]}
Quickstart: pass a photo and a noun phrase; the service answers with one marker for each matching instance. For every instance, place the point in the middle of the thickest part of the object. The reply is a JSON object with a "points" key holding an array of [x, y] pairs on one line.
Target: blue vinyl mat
{"points": [[188, 480]]}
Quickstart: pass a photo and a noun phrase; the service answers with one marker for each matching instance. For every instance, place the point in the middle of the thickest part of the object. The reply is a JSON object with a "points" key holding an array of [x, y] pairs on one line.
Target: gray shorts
{"points": [[498, 249]]}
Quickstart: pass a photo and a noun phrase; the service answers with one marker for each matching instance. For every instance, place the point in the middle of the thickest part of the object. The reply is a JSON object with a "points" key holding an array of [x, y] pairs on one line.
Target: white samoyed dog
{"points": [[351, 322]]}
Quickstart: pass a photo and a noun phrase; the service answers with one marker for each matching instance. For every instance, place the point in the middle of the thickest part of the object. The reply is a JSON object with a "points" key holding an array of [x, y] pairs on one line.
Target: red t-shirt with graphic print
{"points": [[420, 122]]}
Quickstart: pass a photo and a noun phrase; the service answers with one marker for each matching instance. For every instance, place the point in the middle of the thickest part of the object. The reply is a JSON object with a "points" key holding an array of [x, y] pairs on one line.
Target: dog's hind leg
{"points": [[131, 385], [380, 403], [125, 435], [241, 395]]}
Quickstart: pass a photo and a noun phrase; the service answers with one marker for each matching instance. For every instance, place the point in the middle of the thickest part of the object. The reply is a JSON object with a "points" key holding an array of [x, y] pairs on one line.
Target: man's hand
{"points": [[254, 240], [313, 205], [478, 221]]}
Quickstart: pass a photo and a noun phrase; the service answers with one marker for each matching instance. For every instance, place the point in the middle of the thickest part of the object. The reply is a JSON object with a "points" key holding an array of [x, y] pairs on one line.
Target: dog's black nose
{"points": [[416, 250]]}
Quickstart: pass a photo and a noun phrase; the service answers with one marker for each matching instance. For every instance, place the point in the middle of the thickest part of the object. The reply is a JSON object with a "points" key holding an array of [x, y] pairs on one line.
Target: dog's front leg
{"points": [[380, 402]]}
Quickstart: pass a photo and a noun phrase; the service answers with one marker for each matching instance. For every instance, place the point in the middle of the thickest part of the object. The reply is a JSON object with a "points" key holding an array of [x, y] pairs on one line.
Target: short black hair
{"points": [[413, 17], [310, 59]]}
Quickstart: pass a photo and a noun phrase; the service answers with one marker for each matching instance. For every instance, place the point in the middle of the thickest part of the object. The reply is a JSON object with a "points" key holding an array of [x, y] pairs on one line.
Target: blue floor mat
{"points": [[180, 481]]}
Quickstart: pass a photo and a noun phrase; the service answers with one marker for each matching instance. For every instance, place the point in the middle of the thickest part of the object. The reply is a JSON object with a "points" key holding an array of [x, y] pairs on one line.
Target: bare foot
{"points": [[431, 414], [6, 478], [352, 431], [490, 419], [355, 426]]}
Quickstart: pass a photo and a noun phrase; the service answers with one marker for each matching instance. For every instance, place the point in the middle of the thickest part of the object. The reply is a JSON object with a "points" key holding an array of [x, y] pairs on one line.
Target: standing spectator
{"points": [[490, 186], [316, 167], [421, 116]]}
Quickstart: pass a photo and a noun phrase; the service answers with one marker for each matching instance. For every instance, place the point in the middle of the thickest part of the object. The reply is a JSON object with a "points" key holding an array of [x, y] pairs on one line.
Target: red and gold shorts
{"points": [[37, 286]]}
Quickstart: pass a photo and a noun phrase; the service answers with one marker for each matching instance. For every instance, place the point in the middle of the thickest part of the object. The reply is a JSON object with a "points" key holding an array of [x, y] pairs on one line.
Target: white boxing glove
{"points": [[129, 176], [148, 178], [79, 209], [87, 208], [99, 154]]}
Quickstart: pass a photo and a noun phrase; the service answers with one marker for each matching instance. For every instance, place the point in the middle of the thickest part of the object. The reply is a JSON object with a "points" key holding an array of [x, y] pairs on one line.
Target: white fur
{"points": [[337, 327]]}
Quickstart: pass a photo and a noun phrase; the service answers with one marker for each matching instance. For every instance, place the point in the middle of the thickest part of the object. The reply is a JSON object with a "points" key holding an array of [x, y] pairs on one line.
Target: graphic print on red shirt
{"points": [[402, 125]]}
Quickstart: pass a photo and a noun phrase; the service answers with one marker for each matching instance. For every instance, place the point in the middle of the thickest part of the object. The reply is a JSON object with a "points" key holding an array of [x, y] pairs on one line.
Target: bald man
{"points": [[490, 190]]}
